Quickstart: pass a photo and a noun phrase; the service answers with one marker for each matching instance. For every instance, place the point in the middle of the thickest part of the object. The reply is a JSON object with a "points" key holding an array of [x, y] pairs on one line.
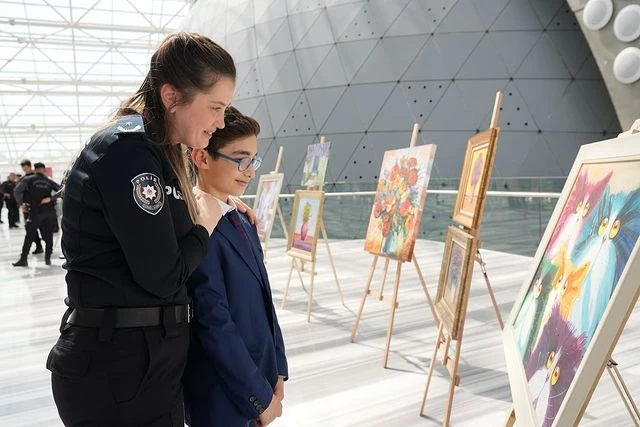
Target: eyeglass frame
{"points": [[253, 161]]}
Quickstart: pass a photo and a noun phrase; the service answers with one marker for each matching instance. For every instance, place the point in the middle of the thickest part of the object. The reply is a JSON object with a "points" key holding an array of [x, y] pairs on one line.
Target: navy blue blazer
{"points": [[237, 351]]}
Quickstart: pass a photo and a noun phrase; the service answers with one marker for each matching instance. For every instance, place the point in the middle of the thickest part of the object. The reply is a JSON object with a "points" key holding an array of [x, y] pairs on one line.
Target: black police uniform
{"points": [[25, 216], [10, 202], [130, 245], [31, 190]]}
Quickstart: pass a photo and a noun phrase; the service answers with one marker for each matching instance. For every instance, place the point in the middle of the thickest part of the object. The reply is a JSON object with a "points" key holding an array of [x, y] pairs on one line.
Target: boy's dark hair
{"points": [[25, 162], [236, 126], [39, 165]]}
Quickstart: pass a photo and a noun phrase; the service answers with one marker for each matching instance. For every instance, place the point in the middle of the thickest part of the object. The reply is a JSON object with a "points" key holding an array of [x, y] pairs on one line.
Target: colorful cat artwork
{"points": [[529, 319], [607, 239], [566, 284], [582, 199], [552, 365]]}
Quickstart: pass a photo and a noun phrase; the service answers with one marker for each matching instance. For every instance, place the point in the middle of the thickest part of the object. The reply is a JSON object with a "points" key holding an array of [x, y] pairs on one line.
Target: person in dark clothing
{"points": [[1, 206], [27, 168], [237, 363], [6, 189], [36, 193], [133, 232]]}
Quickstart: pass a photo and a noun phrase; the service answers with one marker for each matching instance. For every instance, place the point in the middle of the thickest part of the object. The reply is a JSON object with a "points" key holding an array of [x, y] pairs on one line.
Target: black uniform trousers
{"points": [[14, 215], [120, 377], [25, 216], [44, 221]]}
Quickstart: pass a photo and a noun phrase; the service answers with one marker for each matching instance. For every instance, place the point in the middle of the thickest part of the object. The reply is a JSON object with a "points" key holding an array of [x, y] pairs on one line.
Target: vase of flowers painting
{"points": [[398, 203]]}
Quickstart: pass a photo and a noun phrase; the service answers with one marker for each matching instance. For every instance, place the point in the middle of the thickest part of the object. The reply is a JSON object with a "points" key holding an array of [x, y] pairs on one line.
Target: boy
{"points": [[237, 365]]}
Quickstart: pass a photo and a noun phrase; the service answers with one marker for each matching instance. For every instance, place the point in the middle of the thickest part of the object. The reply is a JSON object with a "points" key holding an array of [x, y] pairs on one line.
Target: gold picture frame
{"points": [[474, 179], [455, 279]]}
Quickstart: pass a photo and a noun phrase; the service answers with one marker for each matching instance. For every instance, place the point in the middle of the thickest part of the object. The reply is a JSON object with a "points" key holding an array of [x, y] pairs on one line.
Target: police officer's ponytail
{"points": [[191, 63]]}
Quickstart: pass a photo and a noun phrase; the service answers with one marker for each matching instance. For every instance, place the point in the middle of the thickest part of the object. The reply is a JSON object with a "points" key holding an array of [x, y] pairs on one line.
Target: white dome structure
{"points": [[362, 72]]}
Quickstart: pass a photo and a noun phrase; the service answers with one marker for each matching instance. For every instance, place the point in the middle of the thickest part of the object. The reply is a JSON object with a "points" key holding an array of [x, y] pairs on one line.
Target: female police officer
{"points": [[133, 233]]}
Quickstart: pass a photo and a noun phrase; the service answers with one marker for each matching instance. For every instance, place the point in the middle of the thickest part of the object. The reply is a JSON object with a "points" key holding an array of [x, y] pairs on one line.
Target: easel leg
{"points": [[612, 367], [313, 273], [394, 305], [431, 366], [384, 277], [489, 288], [510, 421], [333, 266], [452, 383], [364, 298], [299, 271], [286, 287], [284, 227], [426, 291]]}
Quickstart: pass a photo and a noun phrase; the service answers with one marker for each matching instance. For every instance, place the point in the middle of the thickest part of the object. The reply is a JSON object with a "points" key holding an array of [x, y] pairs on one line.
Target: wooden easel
{"points": [[621, 387], [444, 340], [265, 245], [297, 262], [393, 301]]}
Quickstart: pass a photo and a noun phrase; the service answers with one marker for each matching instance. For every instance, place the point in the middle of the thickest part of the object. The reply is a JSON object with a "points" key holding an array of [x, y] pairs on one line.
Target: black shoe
{"points": [[13, 226], [38, 251], [47, 259], [22, 262]]}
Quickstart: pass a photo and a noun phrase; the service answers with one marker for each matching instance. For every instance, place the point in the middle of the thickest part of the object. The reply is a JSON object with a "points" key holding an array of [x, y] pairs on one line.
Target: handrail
{"points": [[531, 194]]}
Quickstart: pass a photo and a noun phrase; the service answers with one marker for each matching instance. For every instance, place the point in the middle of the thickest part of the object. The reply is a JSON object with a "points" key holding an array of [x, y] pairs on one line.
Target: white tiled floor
{"points": [[333, 382]]}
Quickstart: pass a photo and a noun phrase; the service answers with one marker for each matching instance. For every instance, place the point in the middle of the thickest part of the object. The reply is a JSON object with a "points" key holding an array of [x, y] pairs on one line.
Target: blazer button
{"points": [[252, 399]]}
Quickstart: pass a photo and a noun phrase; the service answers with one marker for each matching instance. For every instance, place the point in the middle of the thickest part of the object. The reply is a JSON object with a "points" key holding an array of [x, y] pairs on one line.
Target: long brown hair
{"points": [[191, 63]]}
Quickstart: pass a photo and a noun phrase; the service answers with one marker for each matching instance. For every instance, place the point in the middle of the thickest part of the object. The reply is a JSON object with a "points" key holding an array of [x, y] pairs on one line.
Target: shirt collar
{"points": [[226, 207]]}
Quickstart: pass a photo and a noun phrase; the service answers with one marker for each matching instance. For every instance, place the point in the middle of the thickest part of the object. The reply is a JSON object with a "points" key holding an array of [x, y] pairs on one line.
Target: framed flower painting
{"points": [[397, 206]]}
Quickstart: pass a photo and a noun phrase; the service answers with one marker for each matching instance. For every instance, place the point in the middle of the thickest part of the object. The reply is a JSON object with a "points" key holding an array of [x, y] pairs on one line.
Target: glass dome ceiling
{"points": [[64, 67]]}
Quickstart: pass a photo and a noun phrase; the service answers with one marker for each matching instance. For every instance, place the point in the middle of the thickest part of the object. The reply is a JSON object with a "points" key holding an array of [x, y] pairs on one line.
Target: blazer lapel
{"points": [[257, 253], [240, 245]]}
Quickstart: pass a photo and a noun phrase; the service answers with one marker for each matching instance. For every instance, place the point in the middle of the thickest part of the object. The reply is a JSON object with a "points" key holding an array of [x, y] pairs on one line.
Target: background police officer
{"points": [[35, 193], [6, 190], [27, 168]]}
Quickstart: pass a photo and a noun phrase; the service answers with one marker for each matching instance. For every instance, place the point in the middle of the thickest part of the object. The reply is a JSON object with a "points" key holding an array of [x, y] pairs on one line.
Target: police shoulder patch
{"points": [[130, 124], [148, 193]]}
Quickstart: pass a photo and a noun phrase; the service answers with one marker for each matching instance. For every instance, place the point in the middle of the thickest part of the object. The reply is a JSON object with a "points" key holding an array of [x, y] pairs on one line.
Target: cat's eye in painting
{"points": [[555, 376], [615, 228], [552, 354], [603, 226]]}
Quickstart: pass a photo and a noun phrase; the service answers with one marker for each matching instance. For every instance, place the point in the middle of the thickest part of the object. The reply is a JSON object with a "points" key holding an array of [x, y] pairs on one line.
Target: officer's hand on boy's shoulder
{"points": [[272, 412], [245, 209]]}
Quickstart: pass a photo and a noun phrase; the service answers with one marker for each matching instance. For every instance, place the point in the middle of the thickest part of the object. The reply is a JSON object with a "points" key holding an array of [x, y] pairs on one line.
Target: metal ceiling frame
{"points": [[36, 69]]}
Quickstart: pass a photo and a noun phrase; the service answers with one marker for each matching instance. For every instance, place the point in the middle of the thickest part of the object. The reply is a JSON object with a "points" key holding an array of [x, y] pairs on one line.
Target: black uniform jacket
{"points": [[32, 189], [127, 236]]}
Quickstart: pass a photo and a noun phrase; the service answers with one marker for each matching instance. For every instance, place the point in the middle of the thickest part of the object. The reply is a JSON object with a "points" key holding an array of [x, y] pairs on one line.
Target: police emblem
{"points": [[148, 193]]}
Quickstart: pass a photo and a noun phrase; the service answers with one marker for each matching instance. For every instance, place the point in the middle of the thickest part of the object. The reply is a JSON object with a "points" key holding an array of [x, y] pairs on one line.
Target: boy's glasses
{"points": [[244, 163]]}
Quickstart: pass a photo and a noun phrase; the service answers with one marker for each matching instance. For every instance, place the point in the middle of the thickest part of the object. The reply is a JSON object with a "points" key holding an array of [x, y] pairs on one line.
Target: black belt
{"points": [[129, 317]]}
